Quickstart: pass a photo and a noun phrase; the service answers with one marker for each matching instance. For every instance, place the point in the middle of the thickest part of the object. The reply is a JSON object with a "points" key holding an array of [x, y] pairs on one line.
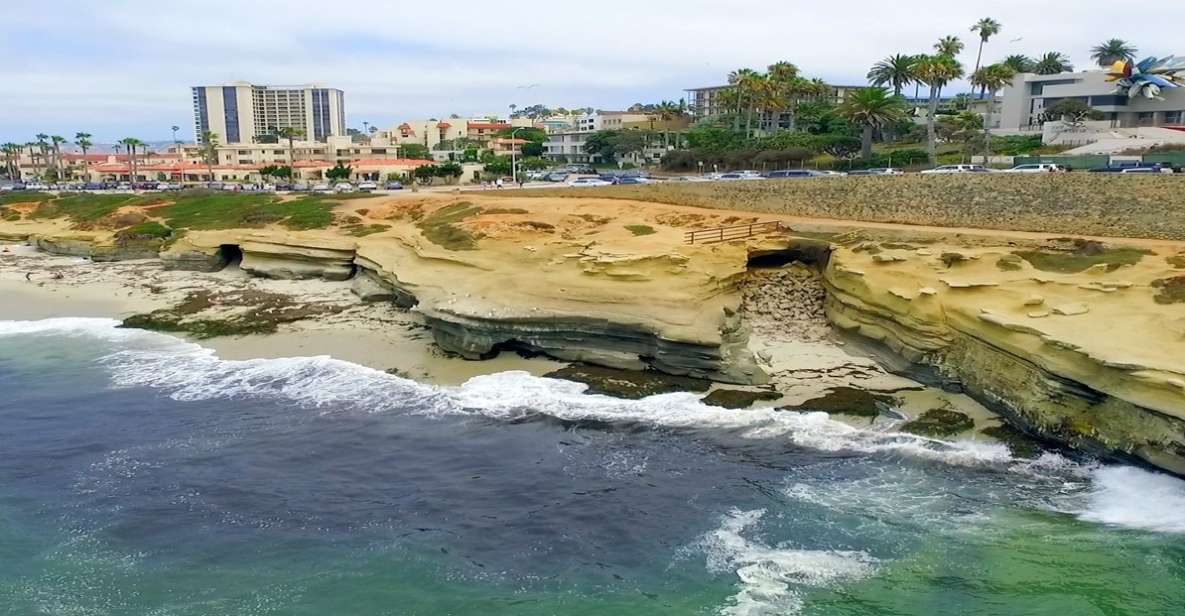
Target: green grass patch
{"points": [[83, 207], [149, 230], [24, 196], [216, 210], [441, 229], [506, 210], [9, 214], [1078, 261], [365, 230], [640, 230]]}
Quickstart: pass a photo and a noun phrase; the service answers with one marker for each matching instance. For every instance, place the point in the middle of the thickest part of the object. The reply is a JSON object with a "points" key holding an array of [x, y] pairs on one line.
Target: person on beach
{"points": [[28, 276], [499, 183]]}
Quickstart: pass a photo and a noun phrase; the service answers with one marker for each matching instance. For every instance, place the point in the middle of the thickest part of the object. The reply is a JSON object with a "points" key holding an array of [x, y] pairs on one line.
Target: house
{"points": [[1023, 103]]}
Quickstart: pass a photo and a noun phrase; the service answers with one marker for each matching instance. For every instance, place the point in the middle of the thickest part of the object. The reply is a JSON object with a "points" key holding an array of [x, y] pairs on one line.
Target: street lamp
{"points": [[513, 158]]}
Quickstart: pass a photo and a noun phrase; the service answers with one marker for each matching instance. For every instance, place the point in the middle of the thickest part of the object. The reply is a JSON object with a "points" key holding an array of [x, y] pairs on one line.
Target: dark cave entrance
{"points": [[230, 255], [809, 252]]}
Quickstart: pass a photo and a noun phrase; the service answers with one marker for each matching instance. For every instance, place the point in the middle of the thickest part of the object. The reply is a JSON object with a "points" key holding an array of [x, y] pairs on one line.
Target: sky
{"points": [[124, 68]]}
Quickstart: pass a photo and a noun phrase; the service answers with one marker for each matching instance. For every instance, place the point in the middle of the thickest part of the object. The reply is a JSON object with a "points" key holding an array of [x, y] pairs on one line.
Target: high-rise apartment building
{"points": [[241, 112]]}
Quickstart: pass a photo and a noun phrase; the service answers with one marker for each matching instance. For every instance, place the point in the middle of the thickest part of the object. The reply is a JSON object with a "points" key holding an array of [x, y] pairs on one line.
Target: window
{"points": [[1145, 118], [1109, 99], [1173, 117]]}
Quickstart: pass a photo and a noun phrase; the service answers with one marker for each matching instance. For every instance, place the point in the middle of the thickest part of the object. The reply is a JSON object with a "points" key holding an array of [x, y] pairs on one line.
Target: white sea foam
{"points": [[1135, 498], [770, 578], [189, 371]]}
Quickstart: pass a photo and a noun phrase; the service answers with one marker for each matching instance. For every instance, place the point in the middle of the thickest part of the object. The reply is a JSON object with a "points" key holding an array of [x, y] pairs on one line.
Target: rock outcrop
{"points": [[1099, 371]]}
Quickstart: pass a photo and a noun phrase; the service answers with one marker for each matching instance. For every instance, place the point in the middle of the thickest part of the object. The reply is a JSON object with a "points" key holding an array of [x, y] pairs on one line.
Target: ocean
{"points": [[141, 474]]}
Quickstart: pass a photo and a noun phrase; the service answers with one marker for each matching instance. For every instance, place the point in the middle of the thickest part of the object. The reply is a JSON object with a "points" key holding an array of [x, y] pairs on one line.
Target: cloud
{"points": [[124, 67]]}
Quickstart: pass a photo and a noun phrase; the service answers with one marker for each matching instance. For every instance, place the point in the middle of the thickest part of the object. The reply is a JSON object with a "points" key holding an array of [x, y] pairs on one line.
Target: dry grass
{"points": [[1078, 203]]}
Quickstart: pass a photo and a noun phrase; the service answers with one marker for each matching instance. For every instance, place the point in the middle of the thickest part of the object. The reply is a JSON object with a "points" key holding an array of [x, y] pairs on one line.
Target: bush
{"points": [[148, 230]]}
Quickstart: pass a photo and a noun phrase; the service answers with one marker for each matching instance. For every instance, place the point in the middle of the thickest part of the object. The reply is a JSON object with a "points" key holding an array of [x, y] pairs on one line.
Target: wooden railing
{"points": [[735, 232]]}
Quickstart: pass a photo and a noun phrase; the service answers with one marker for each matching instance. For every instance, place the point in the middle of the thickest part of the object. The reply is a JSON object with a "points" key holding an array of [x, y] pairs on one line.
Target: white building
{"points": [[1023, 103], [240, 112]]}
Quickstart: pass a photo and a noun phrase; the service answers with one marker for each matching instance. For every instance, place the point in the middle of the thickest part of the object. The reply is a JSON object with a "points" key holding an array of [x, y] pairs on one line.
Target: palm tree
{"points": [[987, 28], [33, 157], [1020, 63], [991, 79], [43, 147], [1112, 51], [290, 133], [949, 46], [12, 157], [896, 71], [83, 141], [209, 151], [131, 143], [1052, 63], [747, 83], [57, 141], [871, 109], [936, 71]]}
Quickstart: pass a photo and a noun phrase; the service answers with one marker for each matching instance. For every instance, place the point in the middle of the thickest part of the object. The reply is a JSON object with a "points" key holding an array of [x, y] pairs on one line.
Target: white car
{"points": [[322, 188], [343, 187], [1145, 170], [163, 186], [232, 187], [1036, 168], [368, 186], [36, 186], [578, 182], [957, 169]]}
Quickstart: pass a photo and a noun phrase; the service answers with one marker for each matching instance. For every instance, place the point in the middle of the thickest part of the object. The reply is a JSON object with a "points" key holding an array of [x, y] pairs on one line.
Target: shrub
{"points": [[641, 229]]}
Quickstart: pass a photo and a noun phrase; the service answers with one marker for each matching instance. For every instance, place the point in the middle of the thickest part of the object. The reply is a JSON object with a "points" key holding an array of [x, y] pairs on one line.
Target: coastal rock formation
{"points": [[1097, 371], [656, 310], [267, 254]]}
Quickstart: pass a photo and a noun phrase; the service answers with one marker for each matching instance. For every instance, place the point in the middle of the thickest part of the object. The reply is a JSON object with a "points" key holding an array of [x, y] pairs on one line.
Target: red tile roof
{"points": [[491, 125]]}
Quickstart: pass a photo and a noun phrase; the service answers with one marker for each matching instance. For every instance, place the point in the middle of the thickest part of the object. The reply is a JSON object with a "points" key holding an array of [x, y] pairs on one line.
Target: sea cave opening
{"points": [[813, 253], [231, 255]]}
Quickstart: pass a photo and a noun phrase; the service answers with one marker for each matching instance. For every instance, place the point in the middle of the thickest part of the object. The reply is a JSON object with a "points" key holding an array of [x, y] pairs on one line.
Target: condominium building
{"points": [[1023, 103], [241, 112]]}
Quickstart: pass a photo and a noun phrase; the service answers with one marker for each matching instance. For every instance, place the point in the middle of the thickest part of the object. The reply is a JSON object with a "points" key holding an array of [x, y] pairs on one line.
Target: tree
{"points": [[533, 148], [12, 157], [43, 148], [1020, 63], [745, 83], [949, 46], [1052, 63], [57, 141], [209, 151], [896, 71], [83, 141], [450, 171], [602, 145], [416, 151], [1072, 111], [965, 127], [338, 172], [936, 71], [871, 109], [1112, 51], [991, 79], [630, 142], [131, 143], [986, 28], [290, 133]]}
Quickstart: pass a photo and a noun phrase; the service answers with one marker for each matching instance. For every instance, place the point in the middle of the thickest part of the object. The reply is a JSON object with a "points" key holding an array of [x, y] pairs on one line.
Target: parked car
{"points": [[163, 186], [393, 186], [793, 173], [556, 176], [36, 186], [579, 182], [367, 186], [877, 171], [9, 187], [322, 188], [1144, 169], [299, 187], [957, 169], [232, 187], [1037, 168], [343, 187], [1130, 168]]}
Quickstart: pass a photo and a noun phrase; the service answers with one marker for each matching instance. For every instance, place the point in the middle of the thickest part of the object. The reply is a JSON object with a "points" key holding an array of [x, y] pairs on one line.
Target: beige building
{"points": [[240, 112]]}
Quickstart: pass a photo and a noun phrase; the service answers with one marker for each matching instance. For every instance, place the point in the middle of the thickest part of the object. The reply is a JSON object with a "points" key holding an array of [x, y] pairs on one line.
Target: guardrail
{"points": [[735, 232]]}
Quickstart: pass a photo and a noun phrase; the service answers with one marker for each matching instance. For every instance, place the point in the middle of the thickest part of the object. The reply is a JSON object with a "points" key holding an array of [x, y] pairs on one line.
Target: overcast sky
{"points": [[123, 68]]}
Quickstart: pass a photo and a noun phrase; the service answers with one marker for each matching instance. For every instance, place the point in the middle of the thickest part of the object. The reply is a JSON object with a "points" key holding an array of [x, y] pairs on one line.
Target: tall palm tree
{"points": [[991, 79], [986, 28], [12, 158], [1112, 51], [1052, 63], [290, 133], [747, 82], [33, 157], [1020, 63], [896, 71], [936, 71], [132, 144], [43, 147], [57, 141], [83, 141], [209, 151], [871, 109]]}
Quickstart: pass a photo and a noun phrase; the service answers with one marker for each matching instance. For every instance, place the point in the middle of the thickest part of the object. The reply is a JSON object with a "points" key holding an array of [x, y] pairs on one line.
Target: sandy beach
{"points": [[379, 336]]}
